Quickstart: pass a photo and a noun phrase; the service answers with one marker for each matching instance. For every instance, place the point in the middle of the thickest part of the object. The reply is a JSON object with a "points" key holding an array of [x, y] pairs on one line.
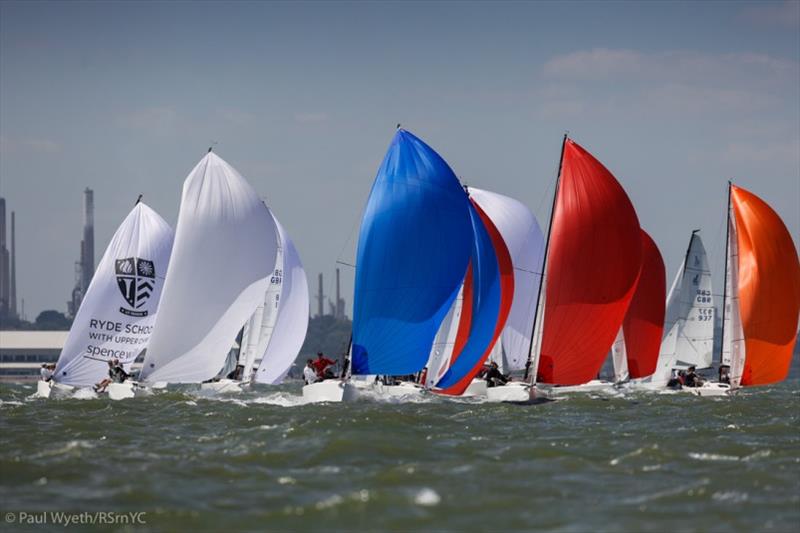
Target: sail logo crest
{"points": [[136, 279]]}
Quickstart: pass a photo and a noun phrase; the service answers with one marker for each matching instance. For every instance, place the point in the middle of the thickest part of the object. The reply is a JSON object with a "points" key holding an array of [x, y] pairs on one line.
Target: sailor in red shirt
{"points": [[321, 364]]}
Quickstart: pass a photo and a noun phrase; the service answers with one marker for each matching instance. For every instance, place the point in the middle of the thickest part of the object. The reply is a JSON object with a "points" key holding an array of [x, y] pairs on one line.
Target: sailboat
{"points": [[272, 337], [761, 304], [519, 246], [225, 251], [636, 349], [414, 248], [689, 322], [592, 260], [116, 316]]}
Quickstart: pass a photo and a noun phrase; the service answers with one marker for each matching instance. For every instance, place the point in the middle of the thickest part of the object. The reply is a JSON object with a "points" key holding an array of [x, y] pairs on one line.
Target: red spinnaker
{"points": [[593, 264], [643, 325]]}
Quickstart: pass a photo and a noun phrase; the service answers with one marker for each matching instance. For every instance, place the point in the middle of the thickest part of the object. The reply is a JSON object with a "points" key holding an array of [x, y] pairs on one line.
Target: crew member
{"points": [[46, 372], [494, 377], [309, 374], [725, 374], [321, 364], [116, 374], [691, 379]]}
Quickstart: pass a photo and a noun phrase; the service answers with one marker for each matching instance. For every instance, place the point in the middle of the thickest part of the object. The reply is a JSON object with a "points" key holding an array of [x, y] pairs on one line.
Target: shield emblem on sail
{"points": [[136, 280]]}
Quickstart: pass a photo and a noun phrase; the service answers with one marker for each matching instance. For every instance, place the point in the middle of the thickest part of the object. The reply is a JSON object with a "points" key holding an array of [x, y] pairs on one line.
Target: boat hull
{"points": [[596, 385], [223, 386], [120, 391], [478, 387], [43, 389], [514, 391], [354, 391], [330, 390]]}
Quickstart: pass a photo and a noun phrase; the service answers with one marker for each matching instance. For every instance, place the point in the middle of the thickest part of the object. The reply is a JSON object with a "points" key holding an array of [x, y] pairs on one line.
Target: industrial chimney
{"points": [[87, 255]]}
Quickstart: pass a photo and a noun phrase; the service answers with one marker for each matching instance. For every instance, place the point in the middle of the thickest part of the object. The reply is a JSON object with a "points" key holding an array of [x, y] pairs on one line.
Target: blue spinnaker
{"points": [[413, 251], [486, 294]]}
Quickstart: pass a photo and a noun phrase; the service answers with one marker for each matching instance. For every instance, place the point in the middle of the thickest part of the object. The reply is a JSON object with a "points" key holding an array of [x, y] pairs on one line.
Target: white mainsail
{"points": [[525, 242], [117, 313], [733, 345], [444, 342], [619, 358], [689, 325], [288, 331], [258, 330], [217, 276]]}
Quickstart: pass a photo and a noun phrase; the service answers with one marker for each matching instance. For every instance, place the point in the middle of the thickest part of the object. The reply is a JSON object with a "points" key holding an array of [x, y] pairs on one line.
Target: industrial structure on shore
{"points": [[335, 308], [84, 267], [8, 268]]}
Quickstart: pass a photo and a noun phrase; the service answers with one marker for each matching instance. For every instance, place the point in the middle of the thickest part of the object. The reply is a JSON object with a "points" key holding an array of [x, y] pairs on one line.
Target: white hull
{"points": [[329, 390], [708, 389], [595, 385], [478, 387], [43, 388], [514, 391], [223, 386], [354, 391], [120, 391]]}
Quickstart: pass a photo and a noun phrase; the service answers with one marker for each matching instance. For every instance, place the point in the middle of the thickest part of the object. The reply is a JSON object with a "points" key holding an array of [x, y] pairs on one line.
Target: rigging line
{"points": [[528, 271], [345, 264]]}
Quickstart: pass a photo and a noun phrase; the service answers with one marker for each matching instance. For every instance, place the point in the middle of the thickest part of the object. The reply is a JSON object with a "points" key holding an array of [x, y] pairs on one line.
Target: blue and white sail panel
{"points": [[486, 296], [413, 250]]}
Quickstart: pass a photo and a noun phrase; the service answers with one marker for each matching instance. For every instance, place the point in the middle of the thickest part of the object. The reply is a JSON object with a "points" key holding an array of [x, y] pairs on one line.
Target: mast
{"points": [[725, 277], [544, 261]]}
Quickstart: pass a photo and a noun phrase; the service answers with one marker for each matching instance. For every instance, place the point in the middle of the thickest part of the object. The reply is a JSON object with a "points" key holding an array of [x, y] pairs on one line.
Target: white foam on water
{"points": [[427, 497], [730, 496], [282, 399], [84, 394], [688, 489], [713, 457]]}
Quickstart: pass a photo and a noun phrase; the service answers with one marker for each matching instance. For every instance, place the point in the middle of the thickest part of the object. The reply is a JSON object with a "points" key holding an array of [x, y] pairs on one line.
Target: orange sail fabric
{"points": [[643, 326], [769, 288], [592, 268]]}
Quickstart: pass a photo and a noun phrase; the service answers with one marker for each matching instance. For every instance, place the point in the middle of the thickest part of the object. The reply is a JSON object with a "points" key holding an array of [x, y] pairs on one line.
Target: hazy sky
{"points": [[303, 98]]}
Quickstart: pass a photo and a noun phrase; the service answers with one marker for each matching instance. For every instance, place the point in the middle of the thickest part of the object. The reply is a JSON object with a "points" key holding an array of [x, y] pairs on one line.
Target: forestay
{"points": [[119, 308], [217, 275]]}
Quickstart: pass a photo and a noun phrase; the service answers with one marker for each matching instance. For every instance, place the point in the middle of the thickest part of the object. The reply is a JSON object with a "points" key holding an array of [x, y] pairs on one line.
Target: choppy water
{"points": [[263, 460]]}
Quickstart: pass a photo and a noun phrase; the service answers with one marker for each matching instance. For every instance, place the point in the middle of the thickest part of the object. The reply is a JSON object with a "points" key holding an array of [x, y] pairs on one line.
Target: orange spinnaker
{"points": [[643, 326], [769, 288], [593, 264]]}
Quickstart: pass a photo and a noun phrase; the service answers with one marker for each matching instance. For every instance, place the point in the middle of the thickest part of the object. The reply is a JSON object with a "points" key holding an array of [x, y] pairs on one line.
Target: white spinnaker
{"points": [[619, 358], [117, 313], [291, 325], [525, 242], [217, 275], [443, 344], [689, 321], [733, 344]]}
